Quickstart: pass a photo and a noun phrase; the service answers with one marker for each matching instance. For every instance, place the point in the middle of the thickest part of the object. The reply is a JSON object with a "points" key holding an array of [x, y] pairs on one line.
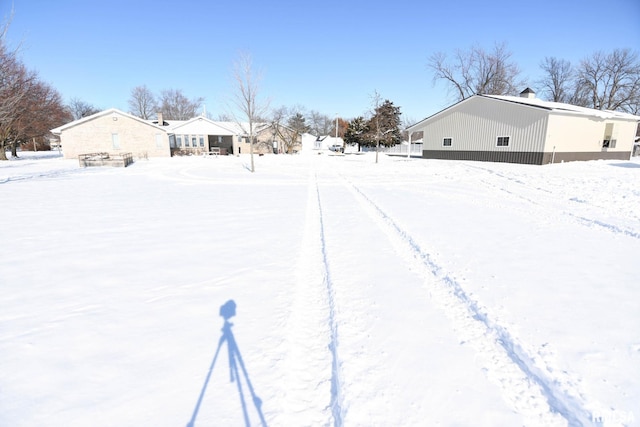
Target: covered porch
{"points": [[200, 136]]}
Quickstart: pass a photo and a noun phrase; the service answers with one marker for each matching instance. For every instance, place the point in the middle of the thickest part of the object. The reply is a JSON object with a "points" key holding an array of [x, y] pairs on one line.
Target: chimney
{"points": [[527, 93], [160, 120]]}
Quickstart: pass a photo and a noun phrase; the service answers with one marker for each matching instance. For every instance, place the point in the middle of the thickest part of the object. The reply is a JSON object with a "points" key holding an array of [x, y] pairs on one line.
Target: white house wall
{"points": [[96, 136]]}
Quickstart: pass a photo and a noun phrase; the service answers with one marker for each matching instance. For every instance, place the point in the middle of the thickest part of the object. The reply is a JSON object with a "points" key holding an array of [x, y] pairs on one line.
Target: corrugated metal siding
{"points": [[475, 124], [526, 157], [529, 158]]}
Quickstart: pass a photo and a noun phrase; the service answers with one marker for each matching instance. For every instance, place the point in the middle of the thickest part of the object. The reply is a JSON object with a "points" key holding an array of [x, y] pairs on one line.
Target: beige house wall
{"points": [[263, 147], [97, 135], [264, 142], [585, 134], [266, 139]]}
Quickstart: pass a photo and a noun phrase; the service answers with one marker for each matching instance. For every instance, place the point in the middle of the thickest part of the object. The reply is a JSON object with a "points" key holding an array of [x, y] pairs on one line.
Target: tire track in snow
{"points": [[336, 395], [543, 193], [530, 390], [41, 175], [311, 380]]}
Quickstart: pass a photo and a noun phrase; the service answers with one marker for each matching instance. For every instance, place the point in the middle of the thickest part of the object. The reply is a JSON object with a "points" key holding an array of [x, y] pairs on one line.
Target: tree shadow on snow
{"points": [[227, 311], [630, 165]]}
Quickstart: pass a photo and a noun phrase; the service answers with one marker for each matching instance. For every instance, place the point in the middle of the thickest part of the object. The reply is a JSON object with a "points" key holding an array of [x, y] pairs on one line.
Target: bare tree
{"points": [[176, 106], [288, 125], [406, 122], [558, 81], [142, 103], [342, 125], [320, 124], [610, 81], [28, 106], [40, 110], [14, 78], [80, 109], [248, 106], [477, 71]]}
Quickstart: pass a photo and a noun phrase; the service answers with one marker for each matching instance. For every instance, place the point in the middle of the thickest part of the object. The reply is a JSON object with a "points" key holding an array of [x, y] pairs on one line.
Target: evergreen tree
{"points": [[384, 126], [297, 123], [356, 132]]}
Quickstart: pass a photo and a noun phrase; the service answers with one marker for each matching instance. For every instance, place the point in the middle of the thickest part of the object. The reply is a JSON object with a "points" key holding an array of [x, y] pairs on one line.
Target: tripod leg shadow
{"points": [[235, 359], [192, 421]]}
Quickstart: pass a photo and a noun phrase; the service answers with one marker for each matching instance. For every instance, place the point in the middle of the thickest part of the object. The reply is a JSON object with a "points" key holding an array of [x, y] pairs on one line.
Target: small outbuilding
{"points": [[525, 129]]}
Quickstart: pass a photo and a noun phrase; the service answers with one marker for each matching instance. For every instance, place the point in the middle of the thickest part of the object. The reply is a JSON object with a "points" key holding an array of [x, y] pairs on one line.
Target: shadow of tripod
{"points": [[228, 310]]}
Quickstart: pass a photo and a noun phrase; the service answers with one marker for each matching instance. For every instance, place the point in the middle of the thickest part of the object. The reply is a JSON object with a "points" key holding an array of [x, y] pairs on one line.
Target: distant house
{"points": [[328, 142], [525, 129], [115, 132], [278, 138], [201, 134]]}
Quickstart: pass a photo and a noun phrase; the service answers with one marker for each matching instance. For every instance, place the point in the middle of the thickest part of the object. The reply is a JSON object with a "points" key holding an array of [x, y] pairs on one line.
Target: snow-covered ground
{"points": [[403, 293]]}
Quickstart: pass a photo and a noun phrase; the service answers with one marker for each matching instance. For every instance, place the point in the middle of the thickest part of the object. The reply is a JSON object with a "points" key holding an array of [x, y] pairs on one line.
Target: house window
{"points": [[186, 140], [503, 141], [609, 143], [607, 140], [194, 142], [179, 139], [201, 141], [446, 142], [115, 141]]}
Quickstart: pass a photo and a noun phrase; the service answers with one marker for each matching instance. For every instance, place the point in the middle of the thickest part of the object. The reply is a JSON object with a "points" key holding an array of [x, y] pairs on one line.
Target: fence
{"points": [[400, 149]]}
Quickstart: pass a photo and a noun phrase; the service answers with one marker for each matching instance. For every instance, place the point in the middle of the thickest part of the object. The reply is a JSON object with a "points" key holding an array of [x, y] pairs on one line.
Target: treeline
{"points": [[29, 107], [602, 80]]}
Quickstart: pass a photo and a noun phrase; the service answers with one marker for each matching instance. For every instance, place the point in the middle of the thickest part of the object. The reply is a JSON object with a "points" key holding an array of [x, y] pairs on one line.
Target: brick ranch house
{"points": [[115, 132]]}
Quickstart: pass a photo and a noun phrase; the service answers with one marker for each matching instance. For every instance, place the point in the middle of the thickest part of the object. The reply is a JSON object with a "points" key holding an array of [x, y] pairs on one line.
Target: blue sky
{"points": [[329, 56]]}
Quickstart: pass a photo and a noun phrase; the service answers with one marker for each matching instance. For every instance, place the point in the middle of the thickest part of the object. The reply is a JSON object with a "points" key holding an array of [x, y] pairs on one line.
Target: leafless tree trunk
{"points": [[29, 108], [143, 103], [558, 79], [13, 80], [477, 71], [246, 98], [376, 100]]}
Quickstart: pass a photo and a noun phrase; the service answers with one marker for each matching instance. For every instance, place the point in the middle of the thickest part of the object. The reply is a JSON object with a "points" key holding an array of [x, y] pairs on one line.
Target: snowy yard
{"points": [[404, 293]]}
